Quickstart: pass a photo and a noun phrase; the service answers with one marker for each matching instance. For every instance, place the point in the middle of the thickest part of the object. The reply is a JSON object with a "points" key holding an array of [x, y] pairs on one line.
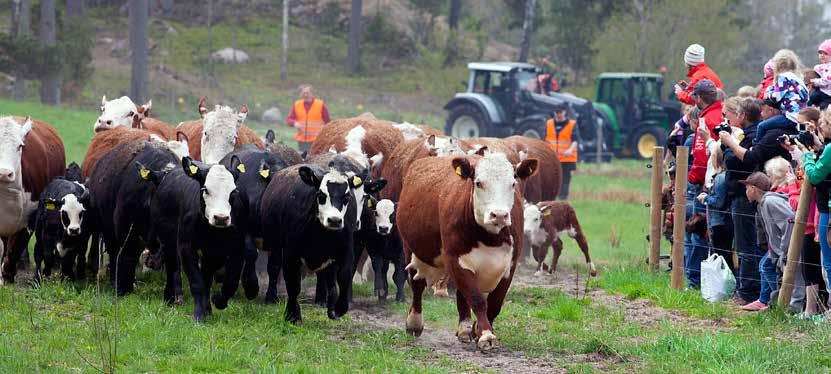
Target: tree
{"points": [[49, 86], [353, 57], [138, 44], [451, 53], [284, 65], [21, 13], [527, 29], [74, 8]]}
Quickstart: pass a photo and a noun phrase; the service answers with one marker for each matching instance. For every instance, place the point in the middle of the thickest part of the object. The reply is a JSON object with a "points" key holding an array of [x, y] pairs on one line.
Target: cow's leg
{"points": [[497, 297], [539, 252], [39, 260], [466, 284], [465, 331], [81, 258], [557, 250], [2, 258], [399, 277], [415, 320], [321, 291], [173, 281], [584, 247], [378, 269], [344, 280], [250, 283], [16, 245], [190, 263], [233, 269], [291, 276], [92, 256], [275, 262], [209, 269], [68, 263], [326, 278]]}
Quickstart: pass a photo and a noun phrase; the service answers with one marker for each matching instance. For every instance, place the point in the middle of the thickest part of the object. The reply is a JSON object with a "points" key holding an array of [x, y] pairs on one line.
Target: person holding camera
{"points": [[697, 70]]}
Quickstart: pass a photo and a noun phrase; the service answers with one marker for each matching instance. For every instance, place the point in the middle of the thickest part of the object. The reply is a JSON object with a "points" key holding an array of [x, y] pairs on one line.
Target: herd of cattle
{"points": [[210, 194]]}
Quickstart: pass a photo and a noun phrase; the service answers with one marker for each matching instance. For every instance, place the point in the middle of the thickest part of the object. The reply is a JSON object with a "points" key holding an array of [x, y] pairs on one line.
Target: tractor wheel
{"points": [[644, 139], [466, 121], [535, 130]]}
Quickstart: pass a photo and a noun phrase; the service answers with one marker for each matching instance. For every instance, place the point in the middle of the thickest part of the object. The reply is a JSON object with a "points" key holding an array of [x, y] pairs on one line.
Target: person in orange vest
{"points": [[563, 136], [308, 115]]}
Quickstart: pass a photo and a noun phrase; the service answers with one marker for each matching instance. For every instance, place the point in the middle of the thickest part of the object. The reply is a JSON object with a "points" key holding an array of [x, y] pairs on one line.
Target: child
{"points": [[718, 209], [821, 97], [788, 93]]}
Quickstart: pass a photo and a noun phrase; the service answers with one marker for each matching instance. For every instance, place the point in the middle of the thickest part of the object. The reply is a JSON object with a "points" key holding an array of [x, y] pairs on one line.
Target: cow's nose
{"points": [[6, 175], [221, 219], [334, 221], [73, 231], [383, 230], [498, 216]]}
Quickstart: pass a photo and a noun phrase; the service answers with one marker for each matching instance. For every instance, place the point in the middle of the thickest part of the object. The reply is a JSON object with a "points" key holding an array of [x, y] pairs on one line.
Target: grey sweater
{"points": [[777, 216]]}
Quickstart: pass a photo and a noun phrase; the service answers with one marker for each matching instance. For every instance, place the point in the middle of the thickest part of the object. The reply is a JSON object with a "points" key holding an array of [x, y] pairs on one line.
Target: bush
{"points": [[387, 40]]}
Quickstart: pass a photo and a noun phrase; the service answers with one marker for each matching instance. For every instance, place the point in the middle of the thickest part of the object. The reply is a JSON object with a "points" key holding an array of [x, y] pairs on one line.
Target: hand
{"points": [[701, 197], [568, 152], [727, 140], [678, 90], [703, 132], [799, 146]]}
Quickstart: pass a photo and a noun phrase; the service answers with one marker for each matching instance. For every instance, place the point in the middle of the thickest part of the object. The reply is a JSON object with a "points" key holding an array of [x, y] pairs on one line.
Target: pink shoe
{"points": [[756, 306]]}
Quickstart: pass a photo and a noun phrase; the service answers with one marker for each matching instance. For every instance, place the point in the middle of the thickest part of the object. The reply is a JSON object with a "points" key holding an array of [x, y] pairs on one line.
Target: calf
{"points": [[383, 245], [59, 226], [464, 219], [194, 210], [545, 224], [309, 218]]}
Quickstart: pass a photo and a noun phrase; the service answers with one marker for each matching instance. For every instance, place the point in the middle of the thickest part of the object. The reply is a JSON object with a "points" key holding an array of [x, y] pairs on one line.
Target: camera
{"points": [[722, 127], [803, 137]]}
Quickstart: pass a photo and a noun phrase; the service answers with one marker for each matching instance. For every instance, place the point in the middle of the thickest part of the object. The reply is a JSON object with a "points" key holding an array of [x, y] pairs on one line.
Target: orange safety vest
{"points": [[561, 142], [311, 122]]}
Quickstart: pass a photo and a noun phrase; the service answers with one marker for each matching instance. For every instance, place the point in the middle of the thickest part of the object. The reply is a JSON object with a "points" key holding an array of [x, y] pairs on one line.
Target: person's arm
{"points": [[292, 118], [817, 170], [730, 142], [575, 140], [325, 113]]}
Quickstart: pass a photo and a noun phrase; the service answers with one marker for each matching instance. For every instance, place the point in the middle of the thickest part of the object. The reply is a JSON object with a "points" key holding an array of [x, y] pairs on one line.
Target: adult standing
{"points": [[564, 137], [817, 170], [697, 70], [308, 116]]}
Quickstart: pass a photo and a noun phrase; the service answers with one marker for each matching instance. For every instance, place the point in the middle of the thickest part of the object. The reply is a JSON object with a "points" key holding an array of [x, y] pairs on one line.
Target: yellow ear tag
{"points": [[241, 168], [50, 206], [369, 203], [459, 171], [193, 169], [357, 181], [144, 173], [546, 213], [264, 173]]}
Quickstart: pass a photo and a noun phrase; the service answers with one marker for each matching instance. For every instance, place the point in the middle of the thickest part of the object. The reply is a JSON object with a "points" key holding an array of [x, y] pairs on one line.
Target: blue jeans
{"points": [[696, 247], [769, 278], [748, 251], [822, 228]]}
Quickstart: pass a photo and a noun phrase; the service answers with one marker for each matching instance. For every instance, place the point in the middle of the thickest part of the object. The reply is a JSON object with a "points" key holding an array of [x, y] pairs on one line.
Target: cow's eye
{"points": [[321, 198], [205, 191], [130, 114], [20, 148], [479, 184]]}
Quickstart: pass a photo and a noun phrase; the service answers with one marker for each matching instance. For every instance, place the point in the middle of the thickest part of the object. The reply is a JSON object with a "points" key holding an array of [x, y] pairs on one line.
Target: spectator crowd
{"points": [[750, 154]]}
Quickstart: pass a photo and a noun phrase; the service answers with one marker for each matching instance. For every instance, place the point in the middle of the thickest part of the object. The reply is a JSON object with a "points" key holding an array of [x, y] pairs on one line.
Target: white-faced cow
{"points": [[463, 218], [545, 224], [218, 132], [122, 112], [31, 155], [309, 218], [398, 162], [120, 206], [60, 228], [383, 245], [195, 211]]}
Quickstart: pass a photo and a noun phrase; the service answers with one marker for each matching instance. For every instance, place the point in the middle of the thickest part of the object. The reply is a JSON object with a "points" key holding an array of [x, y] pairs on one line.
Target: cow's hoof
{"points": [[178, 300], [400, 297], [441, 292], [295, 320], [539, 273], [332, 315], [382, 294], [251, 290], [219, 302], [487, 342], [592, 269], [465, 332], [415, 324], [198, 317]]}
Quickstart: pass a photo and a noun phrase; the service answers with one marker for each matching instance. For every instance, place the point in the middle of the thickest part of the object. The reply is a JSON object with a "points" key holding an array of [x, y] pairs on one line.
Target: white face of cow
{"points": [[179, 148], [219, 184], [332, 200], [115, 113], [12, 137], [72, 214], [493, 192], [533, 219], [383, 216], [219, 133]]}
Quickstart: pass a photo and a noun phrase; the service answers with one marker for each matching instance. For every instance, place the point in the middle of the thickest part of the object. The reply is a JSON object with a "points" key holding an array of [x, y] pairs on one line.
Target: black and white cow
{"points": [[60, 228], [309, 221], [195, 209], [380, 238]]}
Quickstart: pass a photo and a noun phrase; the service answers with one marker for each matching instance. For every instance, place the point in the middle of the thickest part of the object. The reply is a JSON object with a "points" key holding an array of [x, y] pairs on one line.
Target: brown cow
{"points": [[365, 139], [463, 217], [473, 145], [410, 131], [223, 126], [105, 141], [31, 155], [545, 223], [545, 185], [122, 112], [395, 167]]}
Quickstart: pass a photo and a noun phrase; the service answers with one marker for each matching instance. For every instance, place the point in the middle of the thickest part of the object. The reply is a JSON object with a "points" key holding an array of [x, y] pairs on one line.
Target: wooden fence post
{"points": [[656, 222], [682, 155], [795, 246]]}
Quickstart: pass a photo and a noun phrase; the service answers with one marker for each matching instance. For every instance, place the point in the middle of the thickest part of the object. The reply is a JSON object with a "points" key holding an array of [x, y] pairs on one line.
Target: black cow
{"points": [[308, 221], [120, 202], [60, 227], [379, 236], [195, 210]]}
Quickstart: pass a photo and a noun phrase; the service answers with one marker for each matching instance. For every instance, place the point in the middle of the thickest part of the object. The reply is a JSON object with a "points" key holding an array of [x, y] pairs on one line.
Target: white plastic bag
{"points": [[717, 281]]}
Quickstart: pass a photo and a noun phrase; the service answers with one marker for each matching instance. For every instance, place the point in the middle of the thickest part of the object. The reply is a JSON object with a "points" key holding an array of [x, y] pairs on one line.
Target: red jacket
{"points": [[765, 84], [712, 117], [697, 73]]}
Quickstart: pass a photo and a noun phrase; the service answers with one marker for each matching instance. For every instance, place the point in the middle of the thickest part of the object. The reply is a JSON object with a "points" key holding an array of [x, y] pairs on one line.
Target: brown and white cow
{"points": [[31, 155], [545, 185], [462, 216], [398, 162], [364, 139], [545, 224], [105, 141], [474, 145], [411, 131], [218, 133], [122, 112]]}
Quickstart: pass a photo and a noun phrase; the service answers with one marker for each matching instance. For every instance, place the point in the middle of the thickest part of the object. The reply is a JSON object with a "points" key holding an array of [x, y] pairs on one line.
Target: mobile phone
{"points": [[683, 84]]}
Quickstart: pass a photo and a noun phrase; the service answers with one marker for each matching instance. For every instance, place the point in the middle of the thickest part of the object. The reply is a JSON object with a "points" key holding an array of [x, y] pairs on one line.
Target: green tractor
{"points": [[636, 116]]}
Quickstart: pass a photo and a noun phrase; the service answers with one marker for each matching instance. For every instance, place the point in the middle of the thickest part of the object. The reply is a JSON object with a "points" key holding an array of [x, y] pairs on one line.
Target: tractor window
{"points": [[481, 84], [526, 80], [648, 91], [490, 82], [612, 91]]}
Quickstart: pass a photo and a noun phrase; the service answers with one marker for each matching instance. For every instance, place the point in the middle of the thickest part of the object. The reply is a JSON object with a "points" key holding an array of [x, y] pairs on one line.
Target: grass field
{"points": [[627, 319]]}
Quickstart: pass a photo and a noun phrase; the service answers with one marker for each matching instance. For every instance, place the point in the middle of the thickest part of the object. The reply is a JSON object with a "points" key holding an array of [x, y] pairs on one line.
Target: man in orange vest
{"points": [[308, 115], [563, 136]]}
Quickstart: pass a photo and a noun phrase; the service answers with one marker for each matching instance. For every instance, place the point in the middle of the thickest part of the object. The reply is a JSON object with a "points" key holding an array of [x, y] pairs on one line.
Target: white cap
{"points": [[694, 55]]}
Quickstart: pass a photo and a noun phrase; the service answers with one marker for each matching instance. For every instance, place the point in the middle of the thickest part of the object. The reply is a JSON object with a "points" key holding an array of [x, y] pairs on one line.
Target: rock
{"points": [[230, 56], [272, 115]]}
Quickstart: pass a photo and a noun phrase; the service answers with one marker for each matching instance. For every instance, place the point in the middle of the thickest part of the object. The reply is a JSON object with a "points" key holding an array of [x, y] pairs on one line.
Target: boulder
{"points": [[230, 56], [272, 115]]}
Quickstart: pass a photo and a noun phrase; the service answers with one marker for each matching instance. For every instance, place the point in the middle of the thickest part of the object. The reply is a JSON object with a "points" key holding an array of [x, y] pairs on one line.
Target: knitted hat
{"points": [[768, 69], [694, 55], [825, 47]]}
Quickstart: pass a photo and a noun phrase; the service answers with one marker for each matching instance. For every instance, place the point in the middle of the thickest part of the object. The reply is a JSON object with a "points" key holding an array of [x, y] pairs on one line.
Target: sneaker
{"points": [[756, 306], [739, 301]]}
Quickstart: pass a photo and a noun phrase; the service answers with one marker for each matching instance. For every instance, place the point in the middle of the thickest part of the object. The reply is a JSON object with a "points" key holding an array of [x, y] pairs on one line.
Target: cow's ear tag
{"points": [[369, 203], [193, 169], [144, 173], [459, 171], [264, 173], [546, 213], [356, 180], [50, 206], [241, 168]]}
